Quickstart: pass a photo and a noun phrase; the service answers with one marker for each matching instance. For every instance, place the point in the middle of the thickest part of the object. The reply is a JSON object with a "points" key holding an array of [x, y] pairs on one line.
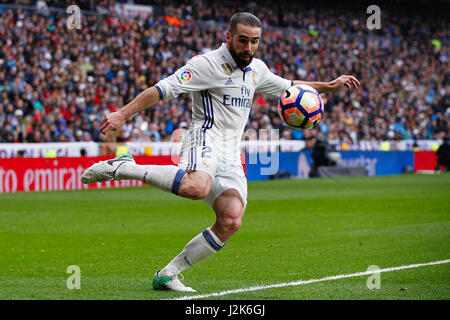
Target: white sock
{"points": [[167, 178], [198, 249]]}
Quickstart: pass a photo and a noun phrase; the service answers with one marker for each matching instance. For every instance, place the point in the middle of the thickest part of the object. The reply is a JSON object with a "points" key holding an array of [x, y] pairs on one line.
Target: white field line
{"points": [[302, 282]]}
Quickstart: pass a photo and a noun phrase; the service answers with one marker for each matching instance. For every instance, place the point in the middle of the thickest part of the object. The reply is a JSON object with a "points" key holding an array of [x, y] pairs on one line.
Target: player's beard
{"points": [[241, 63]]}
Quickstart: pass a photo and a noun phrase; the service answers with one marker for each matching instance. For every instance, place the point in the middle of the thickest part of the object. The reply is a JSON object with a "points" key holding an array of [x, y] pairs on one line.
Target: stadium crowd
{"points": [[56, 84]]}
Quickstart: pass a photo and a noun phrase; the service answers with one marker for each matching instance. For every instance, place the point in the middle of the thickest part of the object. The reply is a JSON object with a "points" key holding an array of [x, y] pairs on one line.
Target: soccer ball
{"points": [[301, 107]]}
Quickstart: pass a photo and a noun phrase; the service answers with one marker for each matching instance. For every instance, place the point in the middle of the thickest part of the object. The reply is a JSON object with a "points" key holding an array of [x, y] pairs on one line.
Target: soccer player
{"points": [[222, 83]]}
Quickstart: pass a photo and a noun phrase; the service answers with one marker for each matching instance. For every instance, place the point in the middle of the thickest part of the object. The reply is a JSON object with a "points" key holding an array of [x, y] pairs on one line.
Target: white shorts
{"points": [[224, 176], [228, 177]]}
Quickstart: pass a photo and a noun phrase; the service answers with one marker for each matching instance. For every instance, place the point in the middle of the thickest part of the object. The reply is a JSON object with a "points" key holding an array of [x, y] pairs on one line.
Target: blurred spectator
{"points": [[443, 156]]}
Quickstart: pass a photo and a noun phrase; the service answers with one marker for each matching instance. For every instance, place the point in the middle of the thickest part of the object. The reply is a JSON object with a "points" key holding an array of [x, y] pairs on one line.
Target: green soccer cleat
{"points": [[105, 170], [169, 283]]}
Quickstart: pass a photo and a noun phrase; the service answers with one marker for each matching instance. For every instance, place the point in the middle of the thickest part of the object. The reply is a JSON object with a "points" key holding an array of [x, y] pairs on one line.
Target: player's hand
{"points": [[112, 121], [344, 80]]}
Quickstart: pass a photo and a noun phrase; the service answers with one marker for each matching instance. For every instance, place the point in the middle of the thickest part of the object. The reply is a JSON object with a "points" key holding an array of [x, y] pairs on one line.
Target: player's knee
{"points": [[231, 222], [199, 191], [232, 225], [196, 186], [235, 225]]}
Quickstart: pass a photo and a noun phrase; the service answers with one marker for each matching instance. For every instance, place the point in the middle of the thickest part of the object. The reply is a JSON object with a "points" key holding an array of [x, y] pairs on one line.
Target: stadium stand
{"points": [[56, 84]]}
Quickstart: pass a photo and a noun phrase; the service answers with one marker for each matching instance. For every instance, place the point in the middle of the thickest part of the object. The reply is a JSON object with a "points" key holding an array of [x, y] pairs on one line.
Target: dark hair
{"points": [[246, 18]]}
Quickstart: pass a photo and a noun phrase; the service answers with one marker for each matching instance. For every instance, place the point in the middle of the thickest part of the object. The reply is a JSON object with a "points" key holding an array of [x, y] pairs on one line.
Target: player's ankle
{"points": [[168, 272]]}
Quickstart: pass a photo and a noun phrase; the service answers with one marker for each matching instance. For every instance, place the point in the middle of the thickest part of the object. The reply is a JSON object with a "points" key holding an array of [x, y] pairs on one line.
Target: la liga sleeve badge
{"points": [[185, 76]]}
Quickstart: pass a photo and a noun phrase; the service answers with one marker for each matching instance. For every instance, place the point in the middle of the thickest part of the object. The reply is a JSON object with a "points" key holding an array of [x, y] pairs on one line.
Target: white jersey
{"points": [[222, 95]]}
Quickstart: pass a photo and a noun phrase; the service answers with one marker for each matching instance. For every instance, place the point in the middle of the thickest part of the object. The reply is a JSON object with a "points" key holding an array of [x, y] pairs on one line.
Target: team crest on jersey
{"points": [[254, 79], [227, 69], [205, 163]]}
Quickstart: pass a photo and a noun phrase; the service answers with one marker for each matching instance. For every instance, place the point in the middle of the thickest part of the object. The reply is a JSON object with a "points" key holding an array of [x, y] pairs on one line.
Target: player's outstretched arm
{"points": [[321, 87], [144, 100]]}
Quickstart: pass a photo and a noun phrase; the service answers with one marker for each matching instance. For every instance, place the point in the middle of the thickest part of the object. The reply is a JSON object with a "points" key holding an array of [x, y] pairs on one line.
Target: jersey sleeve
{"points": [[271, 84], [196, 75]]}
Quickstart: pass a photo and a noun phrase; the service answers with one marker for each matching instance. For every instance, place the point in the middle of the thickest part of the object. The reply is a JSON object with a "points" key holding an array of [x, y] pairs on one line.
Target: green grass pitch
{"points": [[292, 230]]}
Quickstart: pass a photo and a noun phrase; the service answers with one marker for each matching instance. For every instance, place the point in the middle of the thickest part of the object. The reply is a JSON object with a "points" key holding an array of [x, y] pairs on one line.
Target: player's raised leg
{"points": [[229, 212], [189, 184]]}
